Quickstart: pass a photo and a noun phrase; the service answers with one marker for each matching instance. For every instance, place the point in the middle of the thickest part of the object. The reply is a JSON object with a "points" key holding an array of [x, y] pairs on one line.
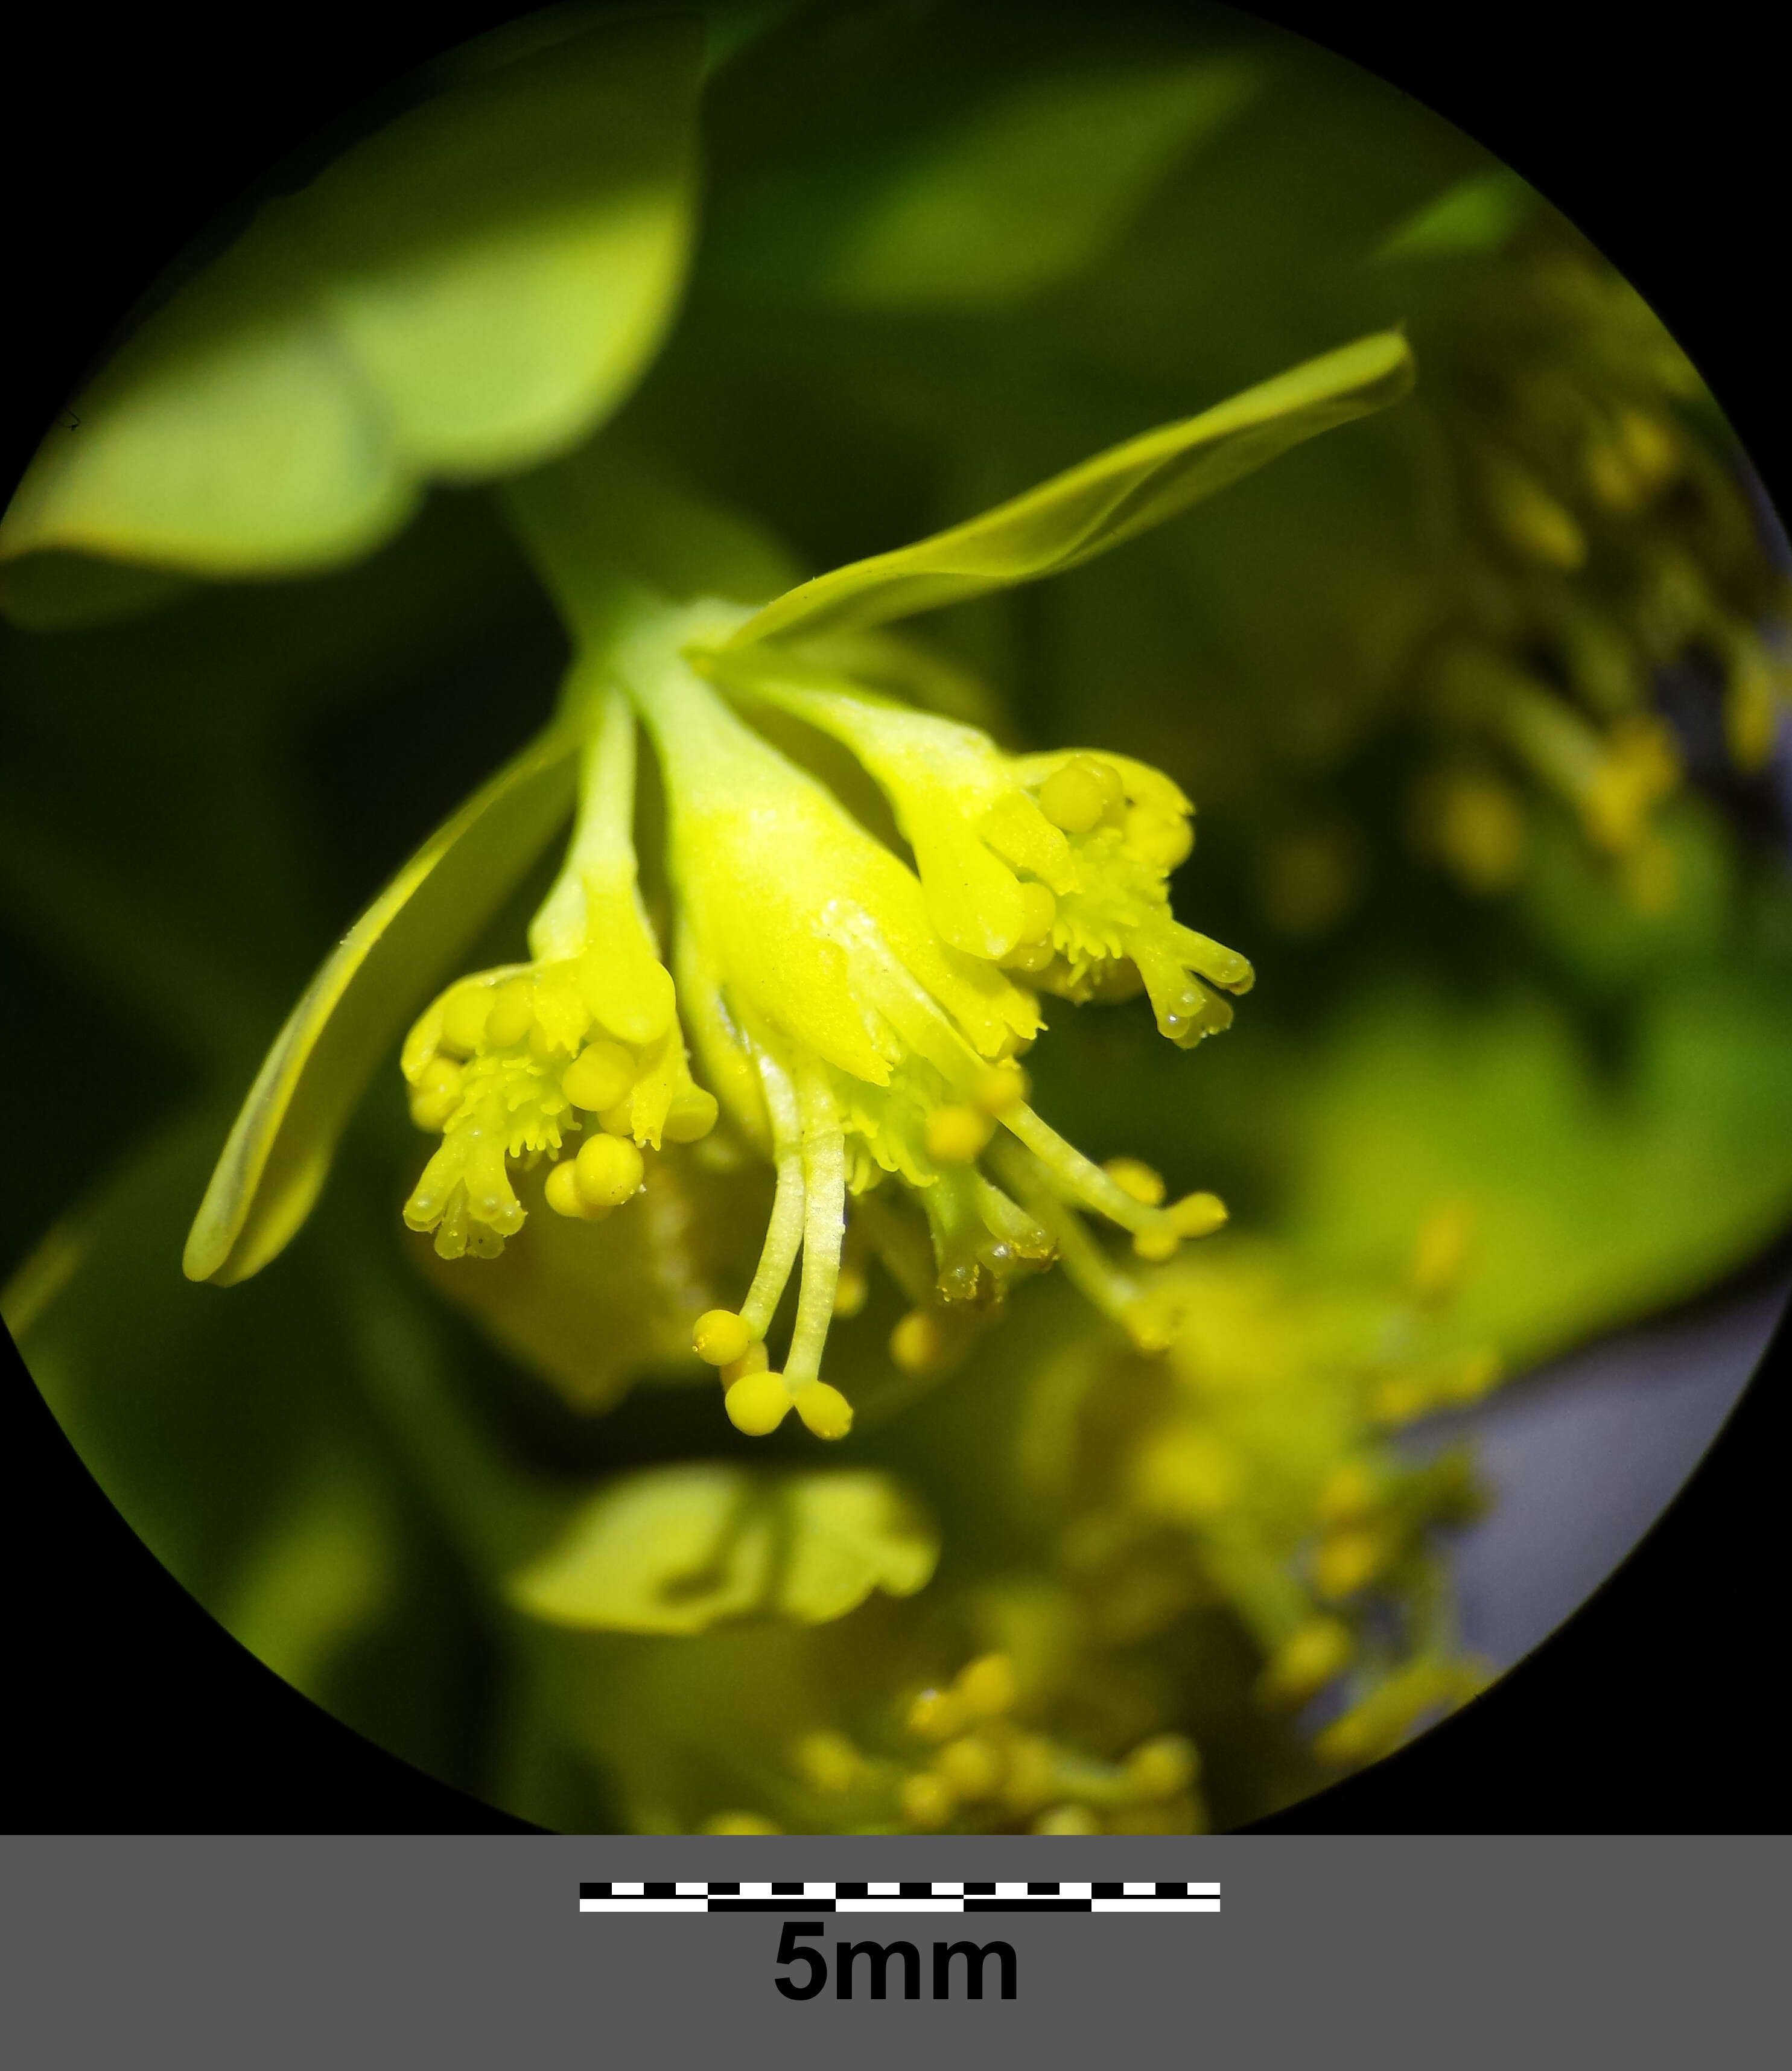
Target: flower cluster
{"points": [[1600, 539], [1240, 1500], [965, 1757], [859, 1019], [859, 1023]]}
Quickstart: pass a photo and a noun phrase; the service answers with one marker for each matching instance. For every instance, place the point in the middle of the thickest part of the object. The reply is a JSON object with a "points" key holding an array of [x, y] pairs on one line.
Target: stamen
{"points": [[609, 1171], [721, 1337], [436, 1094], [824, 1410], [600, 1076], [691, 1116], [757, 1403], [784, 1232], [1079, 1175], [958, 1232], [1080, 793], [1133, 1176], [824, 1229], [1089, 1268], [955, 1135], [562, 1193], [752, 1360], [1039, 908], [1161, 839], [1015, 1231], [511, 1016], [464, 1020], [919, 1343], [1000, 1088]]}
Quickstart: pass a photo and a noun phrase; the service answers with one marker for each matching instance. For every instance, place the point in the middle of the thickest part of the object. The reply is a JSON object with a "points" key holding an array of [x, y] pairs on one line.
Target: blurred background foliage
{"points": [[1481, 703]]}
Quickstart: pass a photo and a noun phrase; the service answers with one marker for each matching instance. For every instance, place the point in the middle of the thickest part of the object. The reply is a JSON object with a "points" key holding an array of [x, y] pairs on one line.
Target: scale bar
{"points": [[910, 1896]]}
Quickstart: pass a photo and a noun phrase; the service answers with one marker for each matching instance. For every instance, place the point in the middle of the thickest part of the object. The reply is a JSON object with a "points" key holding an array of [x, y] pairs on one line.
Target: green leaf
{"points": [[678, 1549], [375, 981], [467, 292], [1099, 504], [1026, 192]]}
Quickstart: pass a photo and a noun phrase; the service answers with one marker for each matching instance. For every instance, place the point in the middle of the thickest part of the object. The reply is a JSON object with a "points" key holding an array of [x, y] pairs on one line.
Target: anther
{"points": [[825, 1410], [757, 1403], [1306, 1661], [987, 1688], [829, 1762], [1348, 1493], [463, 1019], [609, 1171], [1038, 911], [511, 1016], [1068, 1819], [1196, 1215], [936, 1715], [691, 1115], [1347, 1560], [918, 1344], [955, 1135], [972, 1766], [561, 1191], [1030, 957], [1032, 1774], [1158, 1245], [1079, 793], [1157, 839], [927, 1801], [1000, 1088], [851, 1291], [1133, 1176], [437, 1093], [754, 1361], [598, 1076], [1162, 1767], [720, 1337]]}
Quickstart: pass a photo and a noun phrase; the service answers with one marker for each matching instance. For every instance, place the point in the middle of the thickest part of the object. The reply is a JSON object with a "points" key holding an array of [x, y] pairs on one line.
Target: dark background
{"points": [[1655, 1708]]}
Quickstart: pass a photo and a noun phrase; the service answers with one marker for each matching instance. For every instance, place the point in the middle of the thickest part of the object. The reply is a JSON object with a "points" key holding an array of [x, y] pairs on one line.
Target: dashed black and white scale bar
{"points": [[929, 1897]]}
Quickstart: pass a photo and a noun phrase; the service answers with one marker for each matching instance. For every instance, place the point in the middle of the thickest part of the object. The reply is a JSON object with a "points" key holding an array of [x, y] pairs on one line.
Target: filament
{"points": [[784, 1232]]}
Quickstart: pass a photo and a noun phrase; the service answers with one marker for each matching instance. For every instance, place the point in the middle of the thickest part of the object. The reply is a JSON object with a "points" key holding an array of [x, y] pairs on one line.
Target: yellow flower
{"points": [[1053, 865], [859, 1022], [583, 1038], [846, 1033]]}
